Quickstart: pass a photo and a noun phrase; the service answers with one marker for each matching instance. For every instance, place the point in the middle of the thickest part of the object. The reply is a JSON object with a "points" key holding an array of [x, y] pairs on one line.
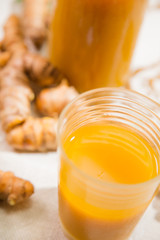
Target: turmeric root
{"points": [[50, 102], [38, 68], [35, 134], [14, 190], [41, 71], [4, 58], [35, 22], [13, 38], [25, 133], [15, 91], [15, 97]]}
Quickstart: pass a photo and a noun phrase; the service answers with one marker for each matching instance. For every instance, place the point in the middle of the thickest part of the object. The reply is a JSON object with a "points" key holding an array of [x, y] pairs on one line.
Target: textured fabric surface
{"points": [[36, 219]]}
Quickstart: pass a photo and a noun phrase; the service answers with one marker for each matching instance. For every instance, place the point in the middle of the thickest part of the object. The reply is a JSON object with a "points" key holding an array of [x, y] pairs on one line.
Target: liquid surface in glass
{"points": [[112, 153]]}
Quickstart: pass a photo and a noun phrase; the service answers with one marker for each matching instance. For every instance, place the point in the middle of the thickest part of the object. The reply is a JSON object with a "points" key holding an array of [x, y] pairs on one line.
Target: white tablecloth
{"points": [[37, 219]]}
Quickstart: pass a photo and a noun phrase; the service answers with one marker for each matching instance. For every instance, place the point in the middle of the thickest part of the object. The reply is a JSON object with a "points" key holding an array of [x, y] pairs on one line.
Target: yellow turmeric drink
{"points": [[92, 41], [107, 154]]}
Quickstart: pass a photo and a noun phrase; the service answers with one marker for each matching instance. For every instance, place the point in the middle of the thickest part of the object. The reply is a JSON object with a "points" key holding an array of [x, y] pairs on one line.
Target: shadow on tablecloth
{"points": [[35, 219]]}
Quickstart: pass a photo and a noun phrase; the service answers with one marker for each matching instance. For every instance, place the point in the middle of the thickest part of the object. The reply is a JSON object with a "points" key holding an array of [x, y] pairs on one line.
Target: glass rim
{"points": [[81, 172]]}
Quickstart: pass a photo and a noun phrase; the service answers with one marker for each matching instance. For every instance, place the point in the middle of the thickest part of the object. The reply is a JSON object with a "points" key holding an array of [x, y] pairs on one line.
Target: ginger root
{"points": [[35, 134], [15, 98], [4, 58], [14, 190], [13, 37], [35, 20], [51, 101], [25, 133], [41, 71], [38, 68], [15, 91]]}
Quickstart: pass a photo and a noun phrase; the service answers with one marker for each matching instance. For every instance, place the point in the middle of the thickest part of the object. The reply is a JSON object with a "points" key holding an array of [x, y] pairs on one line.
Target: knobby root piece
{"points": [[15, 91], [35, 134], [1, 46], [41, 71], [38, 68], [4, 58], [35, 23], [15, 98], [24, 132], [13, 37], [51, 101], [14, 190], [11, 77]]}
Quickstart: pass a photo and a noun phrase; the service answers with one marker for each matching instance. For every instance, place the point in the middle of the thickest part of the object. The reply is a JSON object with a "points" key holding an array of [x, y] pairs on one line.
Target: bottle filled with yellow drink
{"points": [[92, 41]]}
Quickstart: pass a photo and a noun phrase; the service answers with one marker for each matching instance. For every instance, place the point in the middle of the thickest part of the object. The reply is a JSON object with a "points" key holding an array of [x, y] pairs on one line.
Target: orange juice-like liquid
{"points": [[92, 41], [110, 153]]}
